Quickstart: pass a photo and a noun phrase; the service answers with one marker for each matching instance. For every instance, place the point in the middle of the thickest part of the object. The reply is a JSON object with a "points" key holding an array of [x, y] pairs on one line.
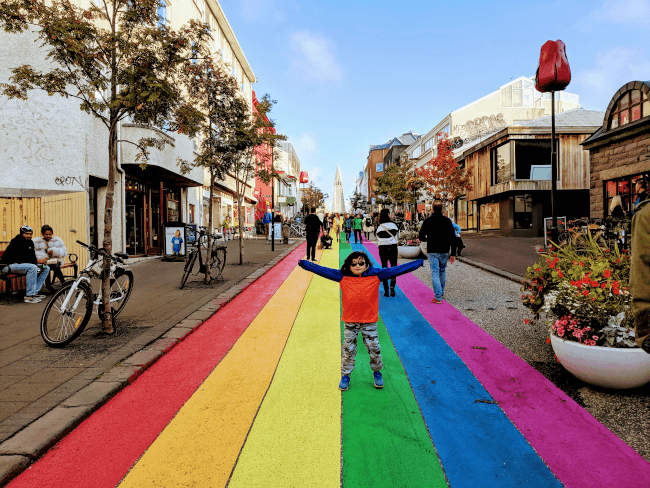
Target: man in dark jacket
{"points": [[640, 274], [439, 234], [312, 226], [19, 258]]}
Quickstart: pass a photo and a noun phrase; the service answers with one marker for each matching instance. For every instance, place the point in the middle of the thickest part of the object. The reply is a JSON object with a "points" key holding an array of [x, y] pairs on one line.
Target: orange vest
{"points": [[360, 297]]}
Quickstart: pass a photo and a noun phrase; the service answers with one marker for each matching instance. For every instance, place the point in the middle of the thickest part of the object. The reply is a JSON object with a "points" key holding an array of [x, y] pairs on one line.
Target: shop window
{"points": [[523, 211], [625, 189], [532, 153], [490, 216], [501, 164], [632, 106], [192, 214], [173, 205]]}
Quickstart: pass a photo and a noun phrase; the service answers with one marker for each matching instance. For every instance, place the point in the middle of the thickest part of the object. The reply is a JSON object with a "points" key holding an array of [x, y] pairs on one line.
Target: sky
{"points": [[350, 74]]}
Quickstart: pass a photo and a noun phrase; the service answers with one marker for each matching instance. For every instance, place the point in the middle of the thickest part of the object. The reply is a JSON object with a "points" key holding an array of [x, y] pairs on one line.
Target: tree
{"points": [[391, 186], [358, 202], [312, 197], [119, 60], [445, 179], [255, 141], [224, 115]]}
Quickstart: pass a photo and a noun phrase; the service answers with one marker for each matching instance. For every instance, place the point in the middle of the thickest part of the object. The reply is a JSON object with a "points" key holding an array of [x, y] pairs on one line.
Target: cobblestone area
{"points": [[494, 304]]}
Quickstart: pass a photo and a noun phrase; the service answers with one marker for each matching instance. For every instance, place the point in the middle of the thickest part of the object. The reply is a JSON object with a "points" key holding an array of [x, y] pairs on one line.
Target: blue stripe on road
{"points": [[476, 442]]}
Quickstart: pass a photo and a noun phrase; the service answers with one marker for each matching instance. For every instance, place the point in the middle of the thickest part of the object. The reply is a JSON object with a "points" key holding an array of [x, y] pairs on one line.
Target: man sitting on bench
{"points": [[19, 258]]}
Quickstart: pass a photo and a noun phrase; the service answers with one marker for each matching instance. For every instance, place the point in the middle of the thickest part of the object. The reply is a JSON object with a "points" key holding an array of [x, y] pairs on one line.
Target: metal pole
{"points": [[272, 204], [554, 230]]}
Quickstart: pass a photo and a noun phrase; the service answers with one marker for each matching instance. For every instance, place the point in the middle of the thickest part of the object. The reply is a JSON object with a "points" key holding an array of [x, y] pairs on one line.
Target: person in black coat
{"points": [[313, 226], [20, 258], [439, 234]]}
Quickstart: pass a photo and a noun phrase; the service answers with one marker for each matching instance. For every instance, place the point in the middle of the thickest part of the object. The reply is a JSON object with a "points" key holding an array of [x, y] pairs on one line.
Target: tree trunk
{"points": [[210, 217], [107, 243], [238, 187]]}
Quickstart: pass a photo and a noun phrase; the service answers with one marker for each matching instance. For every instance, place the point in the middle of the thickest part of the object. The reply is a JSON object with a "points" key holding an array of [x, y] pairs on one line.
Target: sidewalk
{"points": [[37, 382]]}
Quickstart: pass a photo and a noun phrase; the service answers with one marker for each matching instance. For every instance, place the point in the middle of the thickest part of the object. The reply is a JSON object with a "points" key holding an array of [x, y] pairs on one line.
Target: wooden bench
{"points": [[12, 283]]}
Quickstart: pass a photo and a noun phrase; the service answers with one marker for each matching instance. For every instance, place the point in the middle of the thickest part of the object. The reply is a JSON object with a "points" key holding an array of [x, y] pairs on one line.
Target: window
{"points": [[501, 165], [523, 94], [523, 211], [428, 144], [632, 106], [415, 153], [162, 14], [625, 189], [192, 213]]}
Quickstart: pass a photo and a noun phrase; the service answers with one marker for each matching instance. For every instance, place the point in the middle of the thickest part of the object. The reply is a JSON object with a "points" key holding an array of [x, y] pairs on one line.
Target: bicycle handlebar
{"points": [[94, 249]]}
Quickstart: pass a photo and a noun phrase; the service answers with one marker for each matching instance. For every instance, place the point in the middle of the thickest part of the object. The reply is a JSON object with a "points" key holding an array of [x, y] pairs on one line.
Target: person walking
{"points": [[359, 283], [358, 228], [640, 274], [313, 226], [368, 226], [641, 194], [50, 247], [458, 245], [19, 258], [337, 223], [387, 235], [439, 234], [347, 224], [266, 220]]}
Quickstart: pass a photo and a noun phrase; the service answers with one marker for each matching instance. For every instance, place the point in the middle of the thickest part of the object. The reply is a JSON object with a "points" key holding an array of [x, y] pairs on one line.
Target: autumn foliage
{"points": [[445, 179]]}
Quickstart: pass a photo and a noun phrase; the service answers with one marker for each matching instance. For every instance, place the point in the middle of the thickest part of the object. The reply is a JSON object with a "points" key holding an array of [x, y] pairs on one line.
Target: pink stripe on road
{"points": [[578, 449]]}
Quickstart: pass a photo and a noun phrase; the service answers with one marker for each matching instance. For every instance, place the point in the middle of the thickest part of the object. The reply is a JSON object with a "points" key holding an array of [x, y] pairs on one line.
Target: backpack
{"points": [[368, 222]]}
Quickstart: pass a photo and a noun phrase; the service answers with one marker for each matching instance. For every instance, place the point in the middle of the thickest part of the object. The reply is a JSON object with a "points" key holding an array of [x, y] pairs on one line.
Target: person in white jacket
{"points": [[51, 247]]}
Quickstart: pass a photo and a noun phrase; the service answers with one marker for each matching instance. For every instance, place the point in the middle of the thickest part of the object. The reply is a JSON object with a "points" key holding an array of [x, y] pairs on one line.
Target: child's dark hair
{"points": [[345, 269]]}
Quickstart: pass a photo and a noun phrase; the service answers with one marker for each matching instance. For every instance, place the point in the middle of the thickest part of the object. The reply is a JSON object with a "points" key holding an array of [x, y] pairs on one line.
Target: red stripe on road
{"points": [[103, 448]]}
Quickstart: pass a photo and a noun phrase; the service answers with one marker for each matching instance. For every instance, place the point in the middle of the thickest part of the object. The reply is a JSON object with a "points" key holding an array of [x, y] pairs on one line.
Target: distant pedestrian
{"points": [[357, 225], [347, 225], [640, 274], [266, 220], [359, 283], [313, 226], [641, 191], [616, 208], [458, 244], [337, 223], [387, 235], [439, 234], [368, 226]]}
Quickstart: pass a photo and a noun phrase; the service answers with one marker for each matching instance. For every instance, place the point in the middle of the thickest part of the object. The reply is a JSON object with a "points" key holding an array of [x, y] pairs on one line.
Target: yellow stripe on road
{"points": [[296, 438], [200, 445]]}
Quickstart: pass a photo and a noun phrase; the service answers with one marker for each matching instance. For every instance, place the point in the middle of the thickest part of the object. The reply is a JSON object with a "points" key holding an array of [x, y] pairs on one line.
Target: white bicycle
{"points": [[68, 311]]}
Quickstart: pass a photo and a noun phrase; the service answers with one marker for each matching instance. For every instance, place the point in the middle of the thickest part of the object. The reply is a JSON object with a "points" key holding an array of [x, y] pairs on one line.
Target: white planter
{"points": [[408, 252], [609, 367], [423, 246]]}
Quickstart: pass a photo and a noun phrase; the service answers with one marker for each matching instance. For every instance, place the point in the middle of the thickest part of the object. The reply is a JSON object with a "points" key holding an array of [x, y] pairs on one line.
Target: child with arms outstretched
{"points": [[359, 283]]}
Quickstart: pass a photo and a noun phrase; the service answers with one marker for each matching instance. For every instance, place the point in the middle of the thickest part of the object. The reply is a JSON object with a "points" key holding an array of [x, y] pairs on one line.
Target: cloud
{"points": [[307, 148], [263, 10], [613, 68], [620, 12], [314, 58]]}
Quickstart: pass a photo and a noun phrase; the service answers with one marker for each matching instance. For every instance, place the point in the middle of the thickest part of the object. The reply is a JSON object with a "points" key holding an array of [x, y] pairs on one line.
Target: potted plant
{"points": [[581, 293], [408, 244]]}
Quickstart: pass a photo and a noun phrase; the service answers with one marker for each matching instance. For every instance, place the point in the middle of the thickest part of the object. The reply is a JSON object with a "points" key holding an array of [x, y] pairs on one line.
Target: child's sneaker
{"points": [[379, 381], [345, 383]]}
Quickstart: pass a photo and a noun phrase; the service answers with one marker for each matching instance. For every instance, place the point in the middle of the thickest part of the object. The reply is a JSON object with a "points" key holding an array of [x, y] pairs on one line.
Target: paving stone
{"points": [[27, 392], [177, 333], [164, 345], [11, 466], [209, 307], [190, 323], [142, 358], [42, 434], [9, 408], [202, 315], [122, 374], [93, 395]]}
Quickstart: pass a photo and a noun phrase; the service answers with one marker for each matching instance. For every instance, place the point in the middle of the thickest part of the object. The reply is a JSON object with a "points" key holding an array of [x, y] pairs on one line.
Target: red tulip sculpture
{"points": [[553, 72]]}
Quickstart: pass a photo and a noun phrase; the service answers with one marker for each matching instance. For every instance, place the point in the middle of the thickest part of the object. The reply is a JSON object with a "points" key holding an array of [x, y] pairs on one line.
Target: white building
{"points": [[51, 149], [287, 195]]}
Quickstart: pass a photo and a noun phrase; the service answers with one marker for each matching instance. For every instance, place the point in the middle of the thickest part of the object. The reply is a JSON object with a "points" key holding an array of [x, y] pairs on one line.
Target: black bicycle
{"points": [[197, 245]]}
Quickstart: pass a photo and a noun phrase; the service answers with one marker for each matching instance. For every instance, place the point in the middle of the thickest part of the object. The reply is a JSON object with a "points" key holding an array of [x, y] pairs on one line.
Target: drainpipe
{"points": [[123, 183]]}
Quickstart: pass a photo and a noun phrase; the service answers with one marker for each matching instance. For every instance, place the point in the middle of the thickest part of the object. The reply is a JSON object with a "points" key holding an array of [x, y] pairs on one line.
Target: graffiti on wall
{"points": [[478, 127], [69, 181]]}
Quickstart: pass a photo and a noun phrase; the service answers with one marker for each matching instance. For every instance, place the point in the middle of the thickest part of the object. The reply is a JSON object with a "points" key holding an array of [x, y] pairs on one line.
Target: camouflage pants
{"points": [[349, 349]]}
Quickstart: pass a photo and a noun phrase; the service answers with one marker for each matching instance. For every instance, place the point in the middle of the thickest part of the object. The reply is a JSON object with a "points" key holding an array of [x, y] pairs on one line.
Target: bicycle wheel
{"points": [[60, 327], [189, 264], [121, 288], [218, 260]]}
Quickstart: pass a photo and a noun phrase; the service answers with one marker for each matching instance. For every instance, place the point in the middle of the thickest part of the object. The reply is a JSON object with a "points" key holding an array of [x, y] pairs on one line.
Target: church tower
{"points": [[338, 201]]}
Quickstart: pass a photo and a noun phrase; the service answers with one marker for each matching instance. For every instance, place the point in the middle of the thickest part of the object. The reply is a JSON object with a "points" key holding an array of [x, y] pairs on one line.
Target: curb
{"points": [[30, 443], [491, 269]]}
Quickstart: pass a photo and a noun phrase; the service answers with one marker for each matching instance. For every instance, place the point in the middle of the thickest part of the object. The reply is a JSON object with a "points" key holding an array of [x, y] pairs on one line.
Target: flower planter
{"points": [[408, 252], [423, 246], [608, 367]]}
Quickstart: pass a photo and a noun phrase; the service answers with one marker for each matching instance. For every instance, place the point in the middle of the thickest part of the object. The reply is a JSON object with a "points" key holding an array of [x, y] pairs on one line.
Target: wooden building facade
{"points": [[511, 184]]}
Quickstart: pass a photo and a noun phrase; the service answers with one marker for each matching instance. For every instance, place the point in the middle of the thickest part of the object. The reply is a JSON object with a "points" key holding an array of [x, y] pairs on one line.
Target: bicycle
{"points": [[68, 312], [296, 229], [217, 259]]}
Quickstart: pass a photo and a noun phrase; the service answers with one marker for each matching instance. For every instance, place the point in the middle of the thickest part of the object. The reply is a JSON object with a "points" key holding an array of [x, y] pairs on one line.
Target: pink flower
{"points": [[577, 333], [595, 337]]}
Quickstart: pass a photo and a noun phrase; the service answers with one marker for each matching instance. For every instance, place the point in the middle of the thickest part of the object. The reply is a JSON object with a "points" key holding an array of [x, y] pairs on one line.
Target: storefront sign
{"points": [[478, 127], [174, 240]]}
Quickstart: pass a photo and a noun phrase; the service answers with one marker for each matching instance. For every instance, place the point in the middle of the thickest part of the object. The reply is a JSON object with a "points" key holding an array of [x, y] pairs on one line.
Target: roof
{"points": [[405, 139], [576, 117]]}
